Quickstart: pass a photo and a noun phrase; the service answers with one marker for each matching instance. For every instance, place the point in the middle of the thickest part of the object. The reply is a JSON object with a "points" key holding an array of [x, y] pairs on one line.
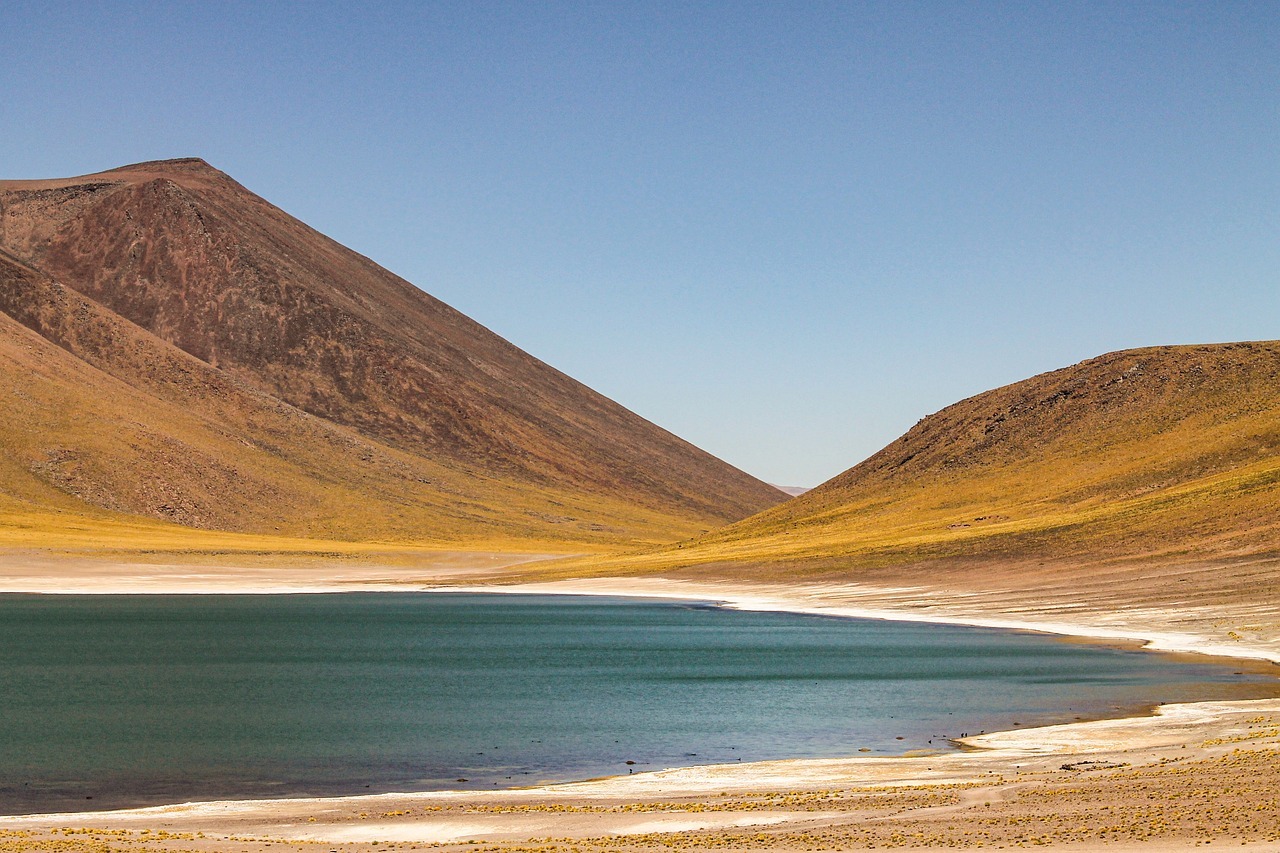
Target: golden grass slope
{"points": [[1158, 455], [139, 428], [87, 453], [187, 254], [253, 377]]}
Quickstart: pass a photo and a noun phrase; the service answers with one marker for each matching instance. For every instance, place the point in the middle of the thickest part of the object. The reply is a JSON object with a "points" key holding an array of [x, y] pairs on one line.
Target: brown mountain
{"points": [[1158, 456], [199, 355]]}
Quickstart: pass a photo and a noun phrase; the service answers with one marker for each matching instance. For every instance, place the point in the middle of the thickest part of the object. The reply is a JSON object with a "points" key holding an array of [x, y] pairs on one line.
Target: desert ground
{"points": [[1186, 776]]}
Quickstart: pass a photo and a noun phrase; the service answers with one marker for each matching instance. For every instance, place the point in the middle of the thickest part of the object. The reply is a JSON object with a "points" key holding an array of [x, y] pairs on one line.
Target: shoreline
{"points": [[996, 760], [673, 800], [463, 572], [92, 576], [817, 600], [1039, 742]]}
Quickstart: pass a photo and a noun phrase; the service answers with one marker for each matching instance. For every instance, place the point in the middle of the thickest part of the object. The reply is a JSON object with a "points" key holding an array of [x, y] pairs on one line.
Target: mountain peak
{"points": [[185, 171], [185, 164], [189, 266]]}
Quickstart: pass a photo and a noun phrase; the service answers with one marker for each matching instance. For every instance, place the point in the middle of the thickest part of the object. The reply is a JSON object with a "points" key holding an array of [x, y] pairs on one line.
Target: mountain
{"points": [[174, 347], [1164, 455]]}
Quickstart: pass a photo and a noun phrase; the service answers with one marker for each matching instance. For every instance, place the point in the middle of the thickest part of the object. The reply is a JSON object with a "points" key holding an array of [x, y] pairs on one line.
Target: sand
{"points": [[1186, 776]]}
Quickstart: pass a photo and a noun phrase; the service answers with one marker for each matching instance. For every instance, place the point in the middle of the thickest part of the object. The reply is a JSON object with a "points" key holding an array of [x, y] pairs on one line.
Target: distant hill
{"points": [[175, 347], [1164, 455]]}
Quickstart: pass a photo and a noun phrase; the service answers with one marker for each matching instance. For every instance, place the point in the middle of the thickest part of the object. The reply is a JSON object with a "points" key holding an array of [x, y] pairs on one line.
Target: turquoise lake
{"points": [[110, 700]]}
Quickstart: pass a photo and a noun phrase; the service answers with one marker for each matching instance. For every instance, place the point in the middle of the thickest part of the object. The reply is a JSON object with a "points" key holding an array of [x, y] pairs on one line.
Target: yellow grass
{"points": [[79, 444], [1184, 467], [144, 540]]}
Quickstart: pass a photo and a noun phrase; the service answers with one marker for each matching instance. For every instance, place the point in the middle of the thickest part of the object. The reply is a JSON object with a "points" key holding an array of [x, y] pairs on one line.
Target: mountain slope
{"points": [[1164, 454], [135, 425], [272, 380]]}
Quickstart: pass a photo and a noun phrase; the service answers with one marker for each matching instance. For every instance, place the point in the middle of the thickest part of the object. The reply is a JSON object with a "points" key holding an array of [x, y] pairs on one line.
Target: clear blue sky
{"points": [[785, 231]]}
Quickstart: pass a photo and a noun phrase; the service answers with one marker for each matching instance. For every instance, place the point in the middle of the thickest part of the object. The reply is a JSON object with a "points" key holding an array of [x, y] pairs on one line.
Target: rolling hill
{"points": [[1163, 456], [174, 350]]}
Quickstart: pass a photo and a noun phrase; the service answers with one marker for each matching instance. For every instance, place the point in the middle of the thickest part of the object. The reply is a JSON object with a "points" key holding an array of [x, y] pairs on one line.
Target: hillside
{"points": [[174, 347], [1159, 456]]}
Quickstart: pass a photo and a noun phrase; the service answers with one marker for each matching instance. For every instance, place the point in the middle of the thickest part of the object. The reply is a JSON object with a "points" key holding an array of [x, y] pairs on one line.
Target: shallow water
{"points": [[123, 700]]}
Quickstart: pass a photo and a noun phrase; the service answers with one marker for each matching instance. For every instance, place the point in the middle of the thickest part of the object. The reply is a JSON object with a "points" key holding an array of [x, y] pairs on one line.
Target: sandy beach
{"points": [[1188, 775]]}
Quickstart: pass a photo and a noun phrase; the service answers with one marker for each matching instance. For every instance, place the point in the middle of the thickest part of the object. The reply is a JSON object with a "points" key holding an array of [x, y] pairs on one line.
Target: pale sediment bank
{"points": [[93, 576]]}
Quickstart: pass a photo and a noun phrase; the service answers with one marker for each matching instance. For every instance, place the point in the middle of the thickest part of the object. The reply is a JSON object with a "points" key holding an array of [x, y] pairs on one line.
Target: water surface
{"points": [[124, 700]]}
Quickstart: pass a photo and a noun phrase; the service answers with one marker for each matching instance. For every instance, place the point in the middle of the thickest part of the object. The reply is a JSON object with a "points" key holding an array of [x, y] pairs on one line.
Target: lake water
{"points": [[123, 700]]}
